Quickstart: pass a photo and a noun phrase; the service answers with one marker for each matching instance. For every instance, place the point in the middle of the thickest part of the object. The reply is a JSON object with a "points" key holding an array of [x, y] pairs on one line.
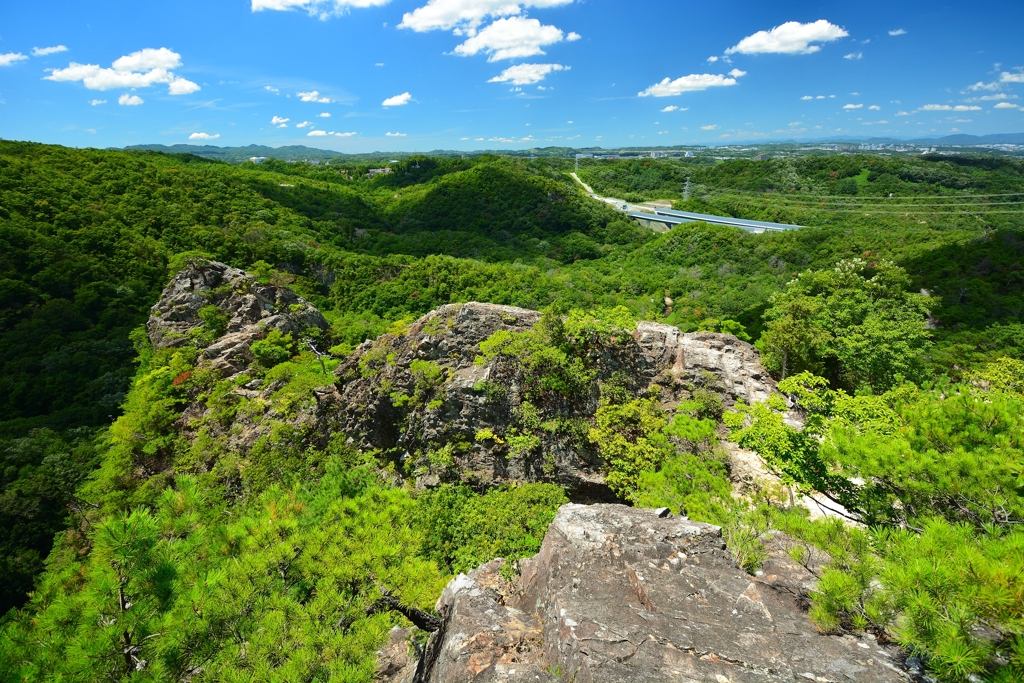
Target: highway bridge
{"points": [[662, 220]]}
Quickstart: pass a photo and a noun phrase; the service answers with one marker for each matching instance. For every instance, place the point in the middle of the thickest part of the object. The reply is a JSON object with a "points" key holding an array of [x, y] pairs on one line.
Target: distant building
{"points": [[762, 157], [658, 155], [257, 160], [378, 171], [688, 154]]}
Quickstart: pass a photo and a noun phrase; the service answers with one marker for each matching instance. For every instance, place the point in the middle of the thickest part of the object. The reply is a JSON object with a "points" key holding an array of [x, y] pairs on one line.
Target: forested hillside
{"points": [[893, 321]]}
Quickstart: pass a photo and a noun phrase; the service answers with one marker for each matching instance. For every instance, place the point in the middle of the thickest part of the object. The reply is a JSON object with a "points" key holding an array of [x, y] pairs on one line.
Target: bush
{"points": [[274, 349]]}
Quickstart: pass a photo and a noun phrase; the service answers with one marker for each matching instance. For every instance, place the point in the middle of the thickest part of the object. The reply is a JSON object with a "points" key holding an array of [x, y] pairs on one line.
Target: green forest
{"points": [[892, 319]]}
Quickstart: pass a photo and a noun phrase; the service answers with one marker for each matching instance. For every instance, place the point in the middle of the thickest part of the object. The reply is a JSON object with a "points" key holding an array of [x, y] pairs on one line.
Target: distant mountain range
{"points": [[303, 153]]}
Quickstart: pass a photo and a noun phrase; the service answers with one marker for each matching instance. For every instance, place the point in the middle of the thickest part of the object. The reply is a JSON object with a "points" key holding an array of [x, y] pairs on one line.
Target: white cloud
{"points": [[964, 107], [324, 115], [277, 120], [345, 135], [1007, 105], [875, 107], [379, 64], [316, 133], [711, 127], [852, 106], [127, 100], [313, 96], [806, 97], [11, 58], [43, 51], [511, 38], [203, 136], [1007, 77], [670, 107], [137, 70], [394, 135], [903, 113], [270, 88], [465, 16], [897, 32], [97, 103], [181, 86], [713, 59], [791, 38], [147, 59], [573, 36], [526, 74], [854, 55], [317, 8], [691, 83], [936, 107], [993, 98], [397, 100], [736, 73], [982, 85], [304, 124]]}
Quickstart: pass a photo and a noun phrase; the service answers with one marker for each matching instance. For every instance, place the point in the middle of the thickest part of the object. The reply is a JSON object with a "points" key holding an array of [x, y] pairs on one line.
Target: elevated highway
{"points": [[663, 219]]}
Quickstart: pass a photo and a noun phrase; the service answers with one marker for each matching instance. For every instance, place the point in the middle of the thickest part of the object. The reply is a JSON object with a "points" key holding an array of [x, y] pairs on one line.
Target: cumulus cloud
{"points": [[710, 127], [43, 51], [394, 135], [807, 97], [903, 113], [324, 115], [1007, 77], [671, 107], [397, 100], [936, 107], [852, 106], [965, 107], [736, 73], [993, 98], [345, 135], [573, 36], [791, 38], [304, 124], [277, 120], [1007, 105], [270, 88], [712, 59], [97, 103], [465, 16], [511, 38], [527, 74], [897, 32], [11, 57], [316, 133], [203, 136], [137, 70], [875, 107], [316, 8], [982, 85], [127, 100], [854, 55], [313, 96], [691, 83]]}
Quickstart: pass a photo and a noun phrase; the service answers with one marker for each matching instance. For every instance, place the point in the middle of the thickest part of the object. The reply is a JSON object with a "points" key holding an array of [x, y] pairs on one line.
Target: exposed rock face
{"points": [[489, 395], [622, 594], [252, 309]]}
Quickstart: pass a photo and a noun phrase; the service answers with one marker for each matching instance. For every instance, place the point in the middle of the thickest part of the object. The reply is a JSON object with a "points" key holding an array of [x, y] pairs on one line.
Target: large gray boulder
{"points": [[477, 395], [622, 594], [252, 309]]}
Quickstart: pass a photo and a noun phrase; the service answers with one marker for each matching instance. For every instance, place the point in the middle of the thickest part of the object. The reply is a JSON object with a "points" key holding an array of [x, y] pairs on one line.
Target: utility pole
{"points": [[577, 163], [686, 191]]}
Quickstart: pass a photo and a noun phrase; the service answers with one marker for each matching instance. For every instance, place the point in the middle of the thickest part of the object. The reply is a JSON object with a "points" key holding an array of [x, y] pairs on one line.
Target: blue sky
{"points": [[364, 75]]}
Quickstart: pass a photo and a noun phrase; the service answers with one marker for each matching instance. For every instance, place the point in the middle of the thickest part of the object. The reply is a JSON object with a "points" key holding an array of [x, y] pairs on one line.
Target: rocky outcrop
{"points": [[249, 311], [386, 406], [622, 594]]}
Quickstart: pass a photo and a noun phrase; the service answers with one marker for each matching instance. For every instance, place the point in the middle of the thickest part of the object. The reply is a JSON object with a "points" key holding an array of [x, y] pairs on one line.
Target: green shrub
{"points": [[273, 349]]}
